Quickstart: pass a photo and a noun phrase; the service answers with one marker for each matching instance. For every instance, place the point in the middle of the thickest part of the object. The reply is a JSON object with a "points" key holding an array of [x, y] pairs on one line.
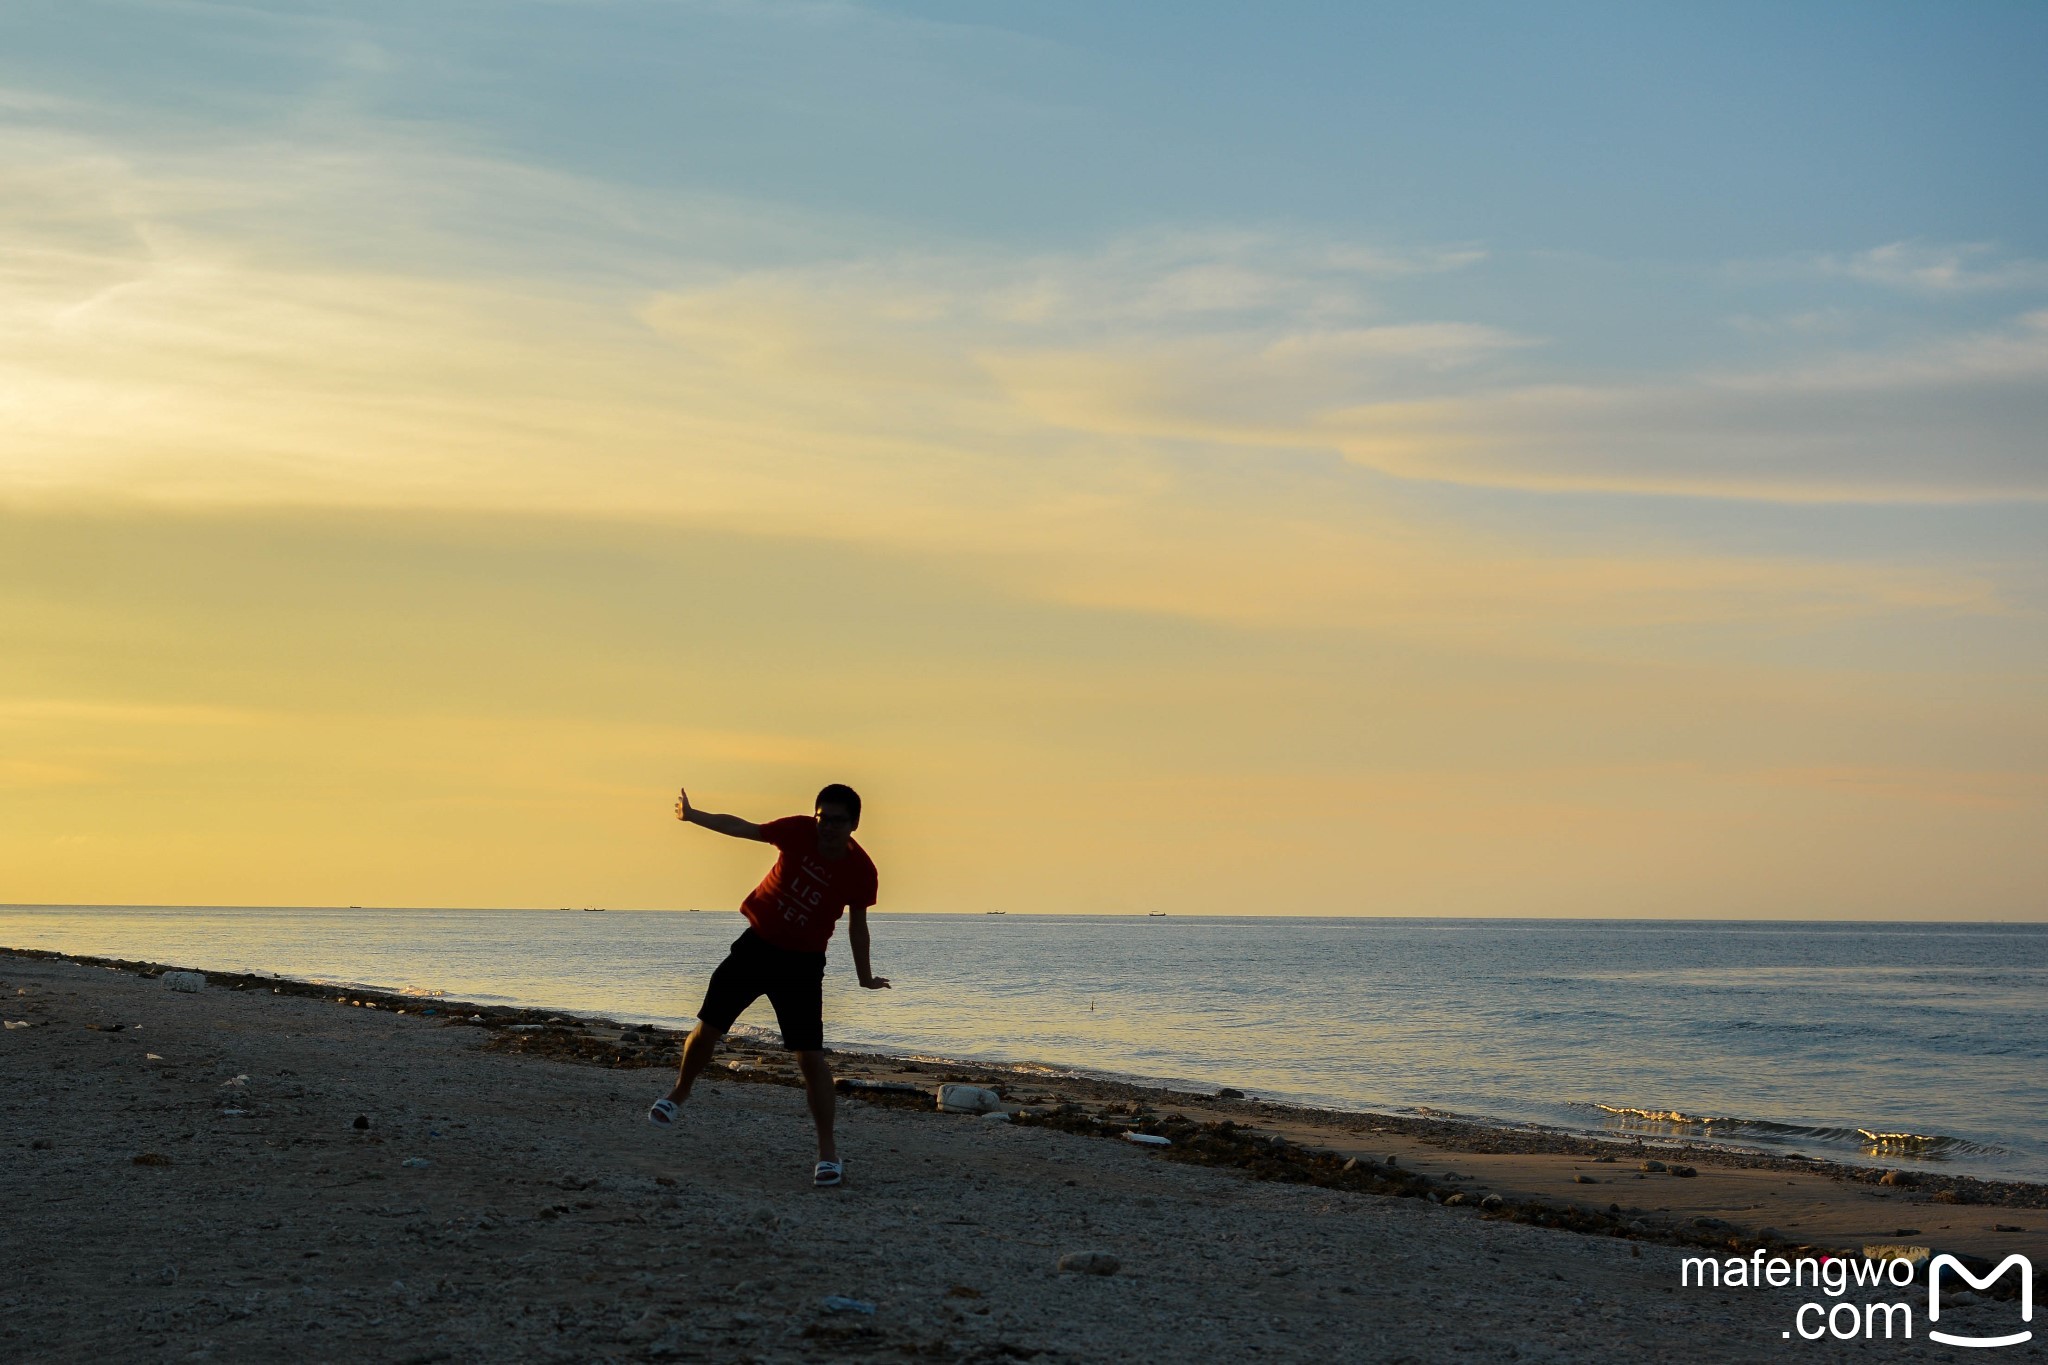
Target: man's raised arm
{"points": [[723, 824]]}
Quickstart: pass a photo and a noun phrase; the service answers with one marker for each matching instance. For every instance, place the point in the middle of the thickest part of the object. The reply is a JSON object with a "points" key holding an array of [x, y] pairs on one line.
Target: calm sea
{"points": [[1898, 1043]]}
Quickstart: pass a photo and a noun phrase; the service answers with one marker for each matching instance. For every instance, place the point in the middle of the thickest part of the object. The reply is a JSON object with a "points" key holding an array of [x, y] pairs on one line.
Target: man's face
{"points": [[835, 825]]}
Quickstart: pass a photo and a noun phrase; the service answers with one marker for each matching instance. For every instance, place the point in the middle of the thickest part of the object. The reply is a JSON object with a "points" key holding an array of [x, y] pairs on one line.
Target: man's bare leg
{"points": [[818, 1090], [697, 1050]]}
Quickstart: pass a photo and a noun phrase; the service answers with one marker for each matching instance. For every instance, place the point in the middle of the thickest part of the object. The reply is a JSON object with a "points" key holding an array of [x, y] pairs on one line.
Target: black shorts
{"points": [[793, 982]]}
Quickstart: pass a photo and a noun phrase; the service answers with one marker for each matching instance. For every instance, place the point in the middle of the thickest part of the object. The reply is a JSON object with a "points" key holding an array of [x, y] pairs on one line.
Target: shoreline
{"points": [[1738, 1195], [1932, 1168], [263, 1169], [1421, 1118], [1696, 1097], [1946, 1104]]}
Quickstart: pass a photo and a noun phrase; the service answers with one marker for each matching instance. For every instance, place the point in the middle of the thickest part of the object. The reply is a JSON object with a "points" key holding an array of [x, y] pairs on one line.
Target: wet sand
{"points": [[195, 1185]]}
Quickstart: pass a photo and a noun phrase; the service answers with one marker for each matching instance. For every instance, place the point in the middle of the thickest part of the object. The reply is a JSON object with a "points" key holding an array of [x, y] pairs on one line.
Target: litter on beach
{"points": [[956, 1098]]}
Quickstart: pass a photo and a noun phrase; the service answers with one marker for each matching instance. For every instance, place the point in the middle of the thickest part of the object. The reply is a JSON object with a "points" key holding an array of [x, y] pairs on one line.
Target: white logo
{"points": [[2026, 1269]]}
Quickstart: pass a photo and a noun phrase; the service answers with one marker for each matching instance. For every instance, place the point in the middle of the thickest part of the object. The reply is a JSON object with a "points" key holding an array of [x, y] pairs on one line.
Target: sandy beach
{"points": [[272, 1171]]}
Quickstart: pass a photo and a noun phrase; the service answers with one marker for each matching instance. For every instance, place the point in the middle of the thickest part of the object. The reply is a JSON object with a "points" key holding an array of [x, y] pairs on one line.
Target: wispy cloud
{"points": [[1804, 322], [15, 99], [1970, 267], [1154, 424], [1955, 420], [70, 710], [2015, 789]]}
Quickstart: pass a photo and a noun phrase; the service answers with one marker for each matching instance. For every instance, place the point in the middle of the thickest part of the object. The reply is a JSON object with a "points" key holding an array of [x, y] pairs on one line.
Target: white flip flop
{"points": [[664, 1113], [828, 1173]]}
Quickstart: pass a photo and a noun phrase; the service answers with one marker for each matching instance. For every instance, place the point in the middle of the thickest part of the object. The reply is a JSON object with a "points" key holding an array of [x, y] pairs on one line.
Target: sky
{"points": [[1465, 459]]}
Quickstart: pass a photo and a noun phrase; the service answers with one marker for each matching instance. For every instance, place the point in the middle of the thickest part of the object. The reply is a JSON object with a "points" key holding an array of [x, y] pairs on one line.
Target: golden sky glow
{"points": [[388, 520]]}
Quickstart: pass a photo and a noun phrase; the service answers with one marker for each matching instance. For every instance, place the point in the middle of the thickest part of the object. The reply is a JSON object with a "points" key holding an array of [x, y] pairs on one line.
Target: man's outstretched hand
{"points": [[682, 803], [876, 983]]}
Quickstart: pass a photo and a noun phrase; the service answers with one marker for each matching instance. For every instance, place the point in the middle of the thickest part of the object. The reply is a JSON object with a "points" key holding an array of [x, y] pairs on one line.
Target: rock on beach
{"points": [[1091, 1262]]}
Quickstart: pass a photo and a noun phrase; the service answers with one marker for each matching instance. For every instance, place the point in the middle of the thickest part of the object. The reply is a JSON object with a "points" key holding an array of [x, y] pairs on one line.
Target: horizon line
{"points": [[1034, 914]]}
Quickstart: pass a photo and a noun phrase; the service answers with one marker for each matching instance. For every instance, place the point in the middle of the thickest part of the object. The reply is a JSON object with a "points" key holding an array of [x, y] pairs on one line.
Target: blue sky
{"points": [[1651, 132]]}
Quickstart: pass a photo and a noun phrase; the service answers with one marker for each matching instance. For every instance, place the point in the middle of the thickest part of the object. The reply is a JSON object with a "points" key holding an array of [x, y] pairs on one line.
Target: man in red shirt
{"points": [[819, 871]]}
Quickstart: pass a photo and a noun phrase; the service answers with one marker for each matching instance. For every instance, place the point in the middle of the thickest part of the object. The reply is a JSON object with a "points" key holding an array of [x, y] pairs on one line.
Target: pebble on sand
{"points": [[1090, 1262]]}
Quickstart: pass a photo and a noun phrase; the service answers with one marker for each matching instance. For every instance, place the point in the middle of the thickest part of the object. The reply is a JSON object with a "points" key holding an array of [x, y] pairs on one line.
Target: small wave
{"points": [[1934, 1145], [1677, 1123], [1775, 1026], [1909, 1142], [334, 984], [1661, 1115], [888, 1049]]}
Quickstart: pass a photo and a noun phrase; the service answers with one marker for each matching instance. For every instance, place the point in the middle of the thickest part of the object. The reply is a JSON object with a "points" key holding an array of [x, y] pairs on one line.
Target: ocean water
{"points": [[1893, 1043]]}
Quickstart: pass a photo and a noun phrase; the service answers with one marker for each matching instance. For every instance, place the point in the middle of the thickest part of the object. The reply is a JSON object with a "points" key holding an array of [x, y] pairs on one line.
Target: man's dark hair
{"points": [[839, 794]]}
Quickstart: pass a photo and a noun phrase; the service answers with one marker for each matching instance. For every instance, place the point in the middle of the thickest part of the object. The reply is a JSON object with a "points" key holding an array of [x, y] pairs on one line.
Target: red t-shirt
{"points": [[799, 901]]}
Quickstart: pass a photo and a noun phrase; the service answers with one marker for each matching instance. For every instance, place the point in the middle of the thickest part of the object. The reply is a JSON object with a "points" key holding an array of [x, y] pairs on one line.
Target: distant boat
{"points": [[593, 909], [998, 912], [1155, 914], [355, 907]]}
